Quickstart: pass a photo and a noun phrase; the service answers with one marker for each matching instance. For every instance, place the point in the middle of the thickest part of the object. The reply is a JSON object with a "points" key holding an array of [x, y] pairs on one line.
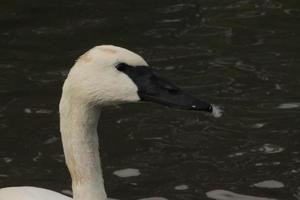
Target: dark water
{"points": [[240, 54]]}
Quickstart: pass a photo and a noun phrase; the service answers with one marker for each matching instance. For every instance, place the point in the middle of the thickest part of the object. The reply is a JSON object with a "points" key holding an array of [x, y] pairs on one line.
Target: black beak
{"points": [[156, 89]]}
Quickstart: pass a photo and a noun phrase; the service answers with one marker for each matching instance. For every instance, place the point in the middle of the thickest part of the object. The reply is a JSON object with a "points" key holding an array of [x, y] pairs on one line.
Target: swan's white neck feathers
{"points": [[104, 75], [78, 124], [92, 82]]}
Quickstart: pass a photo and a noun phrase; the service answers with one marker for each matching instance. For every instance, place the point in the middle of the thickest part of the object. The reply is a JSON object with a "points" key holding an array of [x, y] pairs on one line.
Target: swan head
{"points": [[109, 74]]}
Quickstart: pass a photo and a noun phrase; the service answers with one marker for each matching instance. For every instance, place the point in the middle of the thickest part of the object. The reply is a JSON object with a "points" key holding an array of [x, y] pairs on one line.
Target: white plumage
{"points": [[30, 193], [92, 82]]}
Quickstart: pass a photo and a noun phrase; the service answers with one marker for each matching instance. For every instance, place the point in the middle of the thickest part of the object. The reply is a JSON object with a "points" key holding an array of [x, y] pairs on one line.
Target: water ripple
{"points": [[124, 173], [228, 195], [271, 184]]}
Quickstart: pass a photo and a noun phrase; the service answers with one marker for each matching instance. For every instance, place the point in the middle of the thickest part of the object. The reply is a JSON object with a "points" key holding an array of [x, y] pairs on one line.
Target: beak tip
{"points": [[210, 108]]}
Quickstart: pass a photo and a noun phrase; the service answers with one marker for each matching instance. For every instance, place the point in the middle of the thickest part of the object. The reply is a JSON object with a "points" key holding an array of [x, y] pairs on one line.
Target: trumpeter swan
{"points": [[102, 76]]}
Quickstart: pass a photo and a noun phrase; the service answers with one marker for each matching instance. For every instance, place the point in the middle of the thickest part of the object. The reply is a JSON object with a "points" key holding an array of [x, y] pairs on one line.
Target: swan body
{"points": [[102, 76], [30, 193]]}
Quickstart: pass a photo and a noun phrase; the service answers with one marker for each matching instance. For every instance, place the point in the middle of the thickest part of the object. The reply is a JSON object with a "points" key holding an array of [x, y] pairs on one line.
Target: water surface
{"points": [[241, 55]]}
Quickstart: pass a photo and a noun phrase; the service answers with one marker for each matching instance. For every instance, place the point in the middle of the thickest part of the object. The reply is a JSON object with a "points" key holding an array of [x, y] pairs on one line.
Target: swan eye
{"points": [[121, 66]]}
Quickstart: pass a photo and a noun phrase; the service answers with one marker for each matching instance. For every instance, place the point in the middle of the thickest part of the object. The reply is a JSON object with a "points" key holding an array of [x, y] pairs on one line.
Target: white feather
{"points": [[92, 82], [30, 193], [217, 111]]}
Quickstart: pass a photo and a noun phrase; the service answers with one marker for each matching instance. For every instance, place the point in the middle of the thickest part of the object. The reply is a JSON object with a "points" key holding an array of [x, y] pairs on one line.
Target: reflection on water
{"points": [[269, 184], [227, 195], [240, 55], [289, 105], [124, 173], [181, 187], [154, 198]]}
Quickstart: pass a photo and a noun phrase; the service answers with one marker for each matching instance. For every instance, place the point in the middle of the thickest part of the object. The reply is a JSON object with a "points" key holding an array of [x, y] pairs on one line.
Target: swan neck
{"points": [[78, 125]]}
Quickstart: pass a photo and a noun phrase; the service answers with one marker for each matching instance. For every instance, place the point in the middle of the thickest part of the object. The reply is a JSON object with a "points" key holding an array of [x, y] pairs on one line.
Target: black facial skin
{"points": [[156, 89]]}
